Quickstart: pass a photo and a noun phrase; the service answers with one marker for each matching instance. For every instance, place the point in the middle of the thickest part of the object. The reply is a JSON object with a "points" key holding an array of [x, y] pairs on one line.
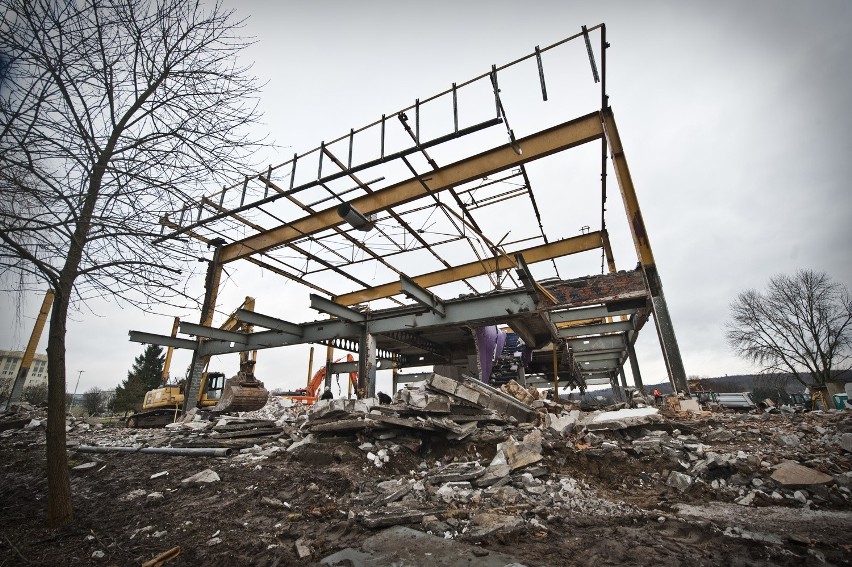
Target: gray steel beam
{"points": [[161, 340], [212, 333], [599, 365], [421, 295], [582, 313], [335, 309], [343, 367], [268, 322], [581, 330], [591, 344], [592, 356]]}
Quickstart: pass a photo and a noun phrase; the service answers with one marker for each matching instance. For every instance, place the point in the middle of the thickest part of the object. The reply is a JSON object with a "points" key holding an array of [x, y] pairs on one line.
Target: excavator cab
{"points": [[214, 384]]}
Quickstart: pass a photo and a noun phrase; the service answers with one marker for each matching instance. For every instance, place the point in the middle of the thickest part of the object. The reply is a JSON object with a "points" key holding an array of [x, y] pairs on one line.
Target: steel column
{"points": [[634, 367], [367, 365], [211, 292], [662, 319]]}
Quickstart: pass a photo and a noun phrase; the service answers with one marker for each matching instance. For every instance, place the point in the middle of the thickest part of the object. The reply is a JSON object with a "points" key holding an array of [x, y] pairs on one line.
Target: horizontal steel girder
{"points": [[599, 365], [541, 144], [467, 311], [582, 313], [161, 340], [579, 331], [596, 381], [212, 333], [268, 322], [594, 344], [343, 367], [532, 255], [327, 306], [421, 295], [594, 356]]}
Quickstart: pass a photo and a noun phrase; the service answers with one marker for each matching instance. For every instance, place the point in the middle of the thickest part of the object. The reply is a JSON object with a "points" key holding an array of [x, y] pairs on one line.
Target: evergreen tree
{"points": [[146, 374]]}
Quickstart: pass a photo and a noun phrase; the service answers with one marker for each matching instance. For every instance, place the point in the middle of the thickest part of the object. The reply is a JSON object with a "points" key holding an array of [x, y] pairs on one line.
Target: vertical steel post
{"points": [[199, 361], [634, 367], [662, 319], [310, 366], [366, 365], [329, 359]]}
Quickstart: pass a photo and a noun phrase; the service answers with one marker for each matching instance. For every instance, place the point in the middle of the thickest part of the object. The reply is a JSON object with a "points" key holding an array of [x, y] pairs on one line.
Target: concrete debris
{"points": [[441, 458], [303, 550], [679, 481], [404, 546], [623, 418], [487, 525], [792, 474], [205, 476]]}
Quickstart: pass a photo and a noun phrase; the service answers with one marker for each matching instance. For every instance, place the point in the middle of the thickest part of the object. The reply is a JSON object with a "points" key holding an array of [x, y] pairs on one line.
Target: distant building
{"points": [[10, 362]]}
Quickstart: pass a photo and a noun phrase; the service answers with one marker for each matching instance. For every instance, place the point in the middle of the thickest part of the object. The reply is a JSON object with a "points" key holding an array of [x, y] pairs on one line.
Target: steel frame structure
{"points": [[589, 335]]}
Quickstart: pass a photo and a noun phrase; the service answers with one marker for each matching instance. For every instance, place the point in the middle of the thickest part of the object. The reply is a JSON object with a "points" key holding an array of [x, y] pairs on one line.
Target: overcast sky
{"points": [[734, 116]]}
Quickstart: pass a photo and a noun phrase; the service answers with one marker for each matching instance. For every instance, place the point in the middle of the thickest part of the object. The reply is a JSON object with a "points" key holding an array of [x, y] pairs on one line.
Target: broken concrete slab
{"points": [[516, 454], [455, 472], [487, 524], [623, 418], [493, 474], [387, 518], [679, 481], [846, 442], [562, 423], [477, 393], [790, 474], [404, 546]]}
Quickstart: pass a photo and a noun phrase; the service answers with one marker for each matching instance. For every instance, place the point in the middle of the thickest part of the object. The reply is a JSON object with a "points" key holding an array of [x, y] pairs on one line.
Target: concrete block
{"points": [[442, 384], [792, 474]]}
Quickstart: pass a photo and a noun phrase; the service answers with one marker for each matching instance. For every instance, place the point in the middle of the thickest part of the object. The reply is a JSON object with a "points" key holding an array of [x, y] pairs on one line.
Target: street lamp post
{"points": [[74, 395]]}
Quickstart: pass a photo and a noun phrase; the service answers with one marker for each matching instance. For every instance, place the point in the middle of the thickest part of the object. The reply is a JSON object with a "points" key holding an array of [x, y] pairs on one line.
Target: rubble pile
{"points": [[462, 461]]}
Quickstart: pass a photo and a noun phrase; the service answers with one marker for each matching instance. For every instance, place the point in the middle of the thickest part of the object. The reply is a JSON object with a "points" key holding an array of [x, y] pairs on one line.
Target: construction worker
{"points": [[658, 396]]}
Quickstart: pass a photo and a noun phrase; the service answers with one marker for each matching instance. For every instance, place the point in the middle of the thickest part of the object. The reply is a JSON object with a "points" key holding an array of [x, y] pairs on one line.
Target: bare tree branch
{"points": [[801, 325], [111, 113]]}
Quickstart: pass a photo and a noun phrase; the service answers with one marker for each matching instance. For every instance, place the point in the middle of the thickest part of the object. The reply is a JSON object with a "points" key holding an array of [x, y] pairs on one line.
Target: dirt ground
{"points": [[258, 509]]}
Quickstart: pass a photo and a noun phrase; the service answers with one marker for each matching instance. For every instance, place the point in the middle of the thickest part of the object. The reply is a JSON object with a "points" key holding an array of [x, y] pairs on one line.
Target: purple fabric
{"points": [[501, 342], [486, 341]]}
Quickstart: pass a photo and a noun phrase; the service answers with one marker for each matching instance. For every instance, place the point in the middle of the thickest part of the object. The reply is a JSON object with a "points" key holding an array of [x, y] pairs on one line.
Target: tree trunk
{"points": [[59, 510]]}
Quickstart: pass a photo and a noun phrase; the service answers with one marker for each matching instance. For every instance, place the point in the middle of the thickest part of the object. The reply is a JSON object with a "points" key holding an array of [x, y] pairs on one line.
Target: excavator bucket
{"points": [[242, 392]]}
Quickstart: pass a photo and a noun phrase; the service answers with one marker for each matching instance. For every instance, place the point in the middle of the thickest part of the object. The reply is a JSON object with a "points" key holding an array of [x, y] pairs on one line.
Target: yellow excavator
{"points": [[242, 392]]}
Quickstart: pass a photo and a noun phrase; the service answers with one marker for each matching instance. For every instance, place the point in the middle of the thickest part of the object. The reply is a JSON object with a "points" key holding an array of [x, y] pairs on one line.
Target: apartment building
{"points": [[10, 362]]}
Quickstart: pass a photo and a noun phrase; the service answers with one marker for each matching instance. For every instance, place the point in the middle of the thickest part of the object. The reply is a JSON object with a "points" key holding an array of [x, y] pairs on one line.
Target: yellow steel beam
{"points": [[573, 133], [32, 344], [167, 364], [628, 191], [531, 255]]}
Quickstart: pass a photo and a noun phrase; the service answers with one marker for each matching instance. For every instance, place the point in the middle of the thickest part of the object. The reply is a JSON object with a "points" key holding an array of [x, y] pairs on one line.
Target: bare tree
{"points": [[802, 324], [93, 401], [35, 394], [113, 113]]}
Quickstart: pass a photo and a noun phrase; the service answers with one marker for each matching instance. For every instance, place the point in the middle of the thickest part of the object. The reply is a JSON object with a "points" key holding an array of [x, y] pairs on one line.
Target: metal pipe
{"points": [[181, 451]]}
